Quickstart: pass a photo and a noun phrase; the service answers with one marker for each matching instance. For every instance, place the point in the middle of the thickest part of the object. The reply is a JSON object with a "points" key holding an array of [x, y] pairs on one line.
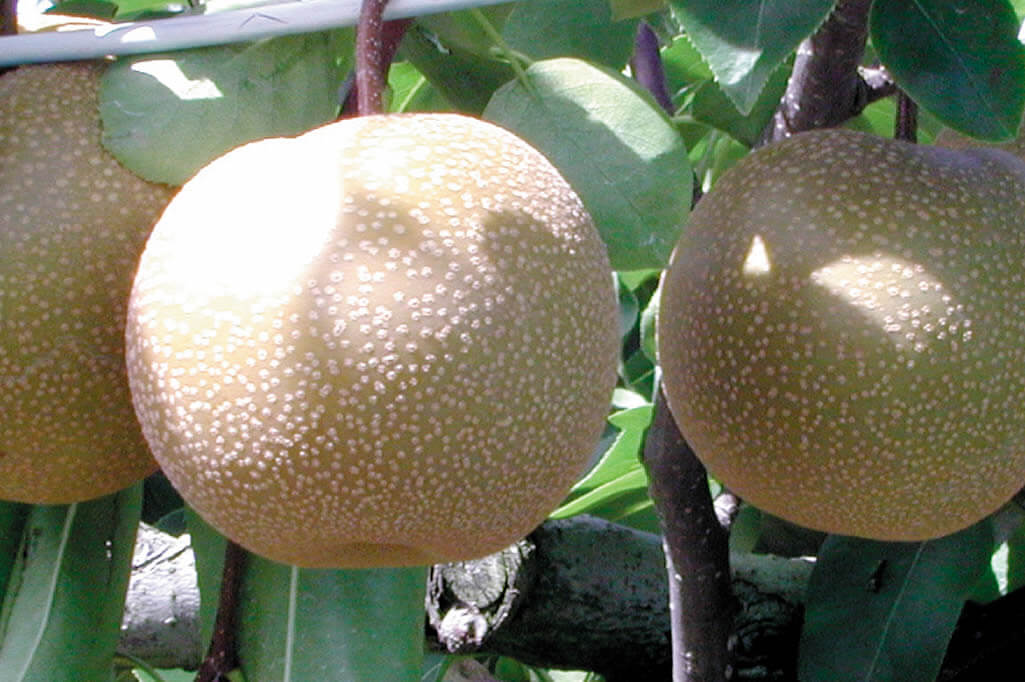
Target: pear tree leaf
{"points": [[964, 63], [464, 78], [712, 107], [744, 41], [462, 29], [13, 516], [167, 115], [411, 91], [616, 148], [61, 615], [298, 624], [886, 610], [585, 29], [617, 474], [629, 9]]}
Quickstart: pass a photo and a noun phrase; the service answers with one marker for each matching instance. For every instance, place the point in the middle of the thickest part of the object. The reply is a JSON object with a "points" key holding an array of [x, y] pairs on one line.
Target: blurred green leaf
{"points": [[964, 64], [629, 309], [97, 9], [13, 516], [465, 79], [304, 624], [744, 41], [617, 474], [159, 498], [886, 610], [614, 145], [1016, 561], [411, 91], [584, 29], [685, 69], [463, 31], [711, 106], [648, 318], [167, 115], [628, 9], [61, 615]]}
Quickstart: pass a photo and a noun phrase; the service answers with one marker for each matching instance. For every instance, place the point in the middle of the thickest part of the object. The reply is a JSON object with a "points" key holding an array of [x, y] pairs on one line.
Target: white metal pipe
{"points": [[175, 33]]}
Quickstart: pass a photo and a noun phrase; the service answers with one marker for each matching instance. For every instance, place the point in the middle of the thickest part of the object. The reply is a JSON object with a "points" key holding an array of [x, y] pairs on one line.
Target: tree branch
{"points": [[825, 87], [701, 604], [588, 595]]}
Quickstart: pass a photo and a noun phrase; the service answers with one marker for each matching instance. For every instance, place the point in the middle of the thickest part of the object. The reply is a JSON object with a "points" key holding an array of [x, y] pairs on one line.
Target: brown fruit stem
{"points": [[371, 61], [222, 657], [906, 126], [392, 34]]}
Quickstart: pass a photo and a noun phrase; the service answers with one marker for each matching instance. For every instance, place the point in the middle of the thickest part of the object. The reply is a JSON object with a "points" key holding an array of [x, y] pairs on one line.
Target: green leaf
{"points": [[61, 615], [166, 116], [585, 29], [964, 64], [648, 319], [304, 624], [628, 9], [13, 516], [744, 41], [465, 79], [629, 310], [97, 9], [614, 145], [712, 107], [886, 611], [463, 31], [411, 91], [617, 474]]}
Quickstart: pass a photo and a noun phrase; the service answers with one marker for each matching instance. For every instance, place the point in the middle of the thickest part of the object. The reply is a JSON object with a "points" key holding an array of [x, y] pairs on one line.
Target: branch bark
{"points": [[580, 593], [701, 604], [588, 595], [825, 87]]}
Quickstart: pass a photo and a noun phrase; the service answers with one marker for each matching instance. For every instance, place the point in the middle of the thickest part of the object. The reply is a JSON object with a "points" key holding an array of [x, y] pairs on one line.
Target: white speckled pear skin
{"points": [[389, 341], [72, 225], [842, 333]]}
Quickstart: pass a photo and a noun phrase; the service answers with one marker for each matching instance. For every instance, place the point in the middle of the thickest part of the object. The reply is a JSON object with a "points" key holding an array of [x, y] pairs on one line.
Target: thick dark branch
{"points": [[587, 595], [825, 87], [697, 554]]}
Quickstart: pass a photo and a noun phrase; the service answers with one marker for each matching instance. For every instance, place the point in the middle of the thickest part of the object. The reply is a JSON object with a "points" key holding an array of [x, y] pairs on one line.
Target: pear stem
{"points": [[906, 125], [371, 60], [222, 657]]}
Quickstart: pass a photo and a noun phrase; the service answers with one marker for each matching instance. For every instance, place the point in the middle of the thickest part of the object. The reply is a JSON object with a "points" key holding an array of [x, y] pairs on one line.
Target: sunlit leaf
{"points": [[614, 145], [744, 41], [167, 115]]}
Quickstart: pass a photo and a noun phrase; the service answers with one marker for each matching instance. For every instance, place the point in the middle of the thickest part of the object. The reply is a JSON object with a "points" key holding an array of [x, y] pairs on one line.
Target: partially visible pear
{"points": [[842, 333], [72, 225]]}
